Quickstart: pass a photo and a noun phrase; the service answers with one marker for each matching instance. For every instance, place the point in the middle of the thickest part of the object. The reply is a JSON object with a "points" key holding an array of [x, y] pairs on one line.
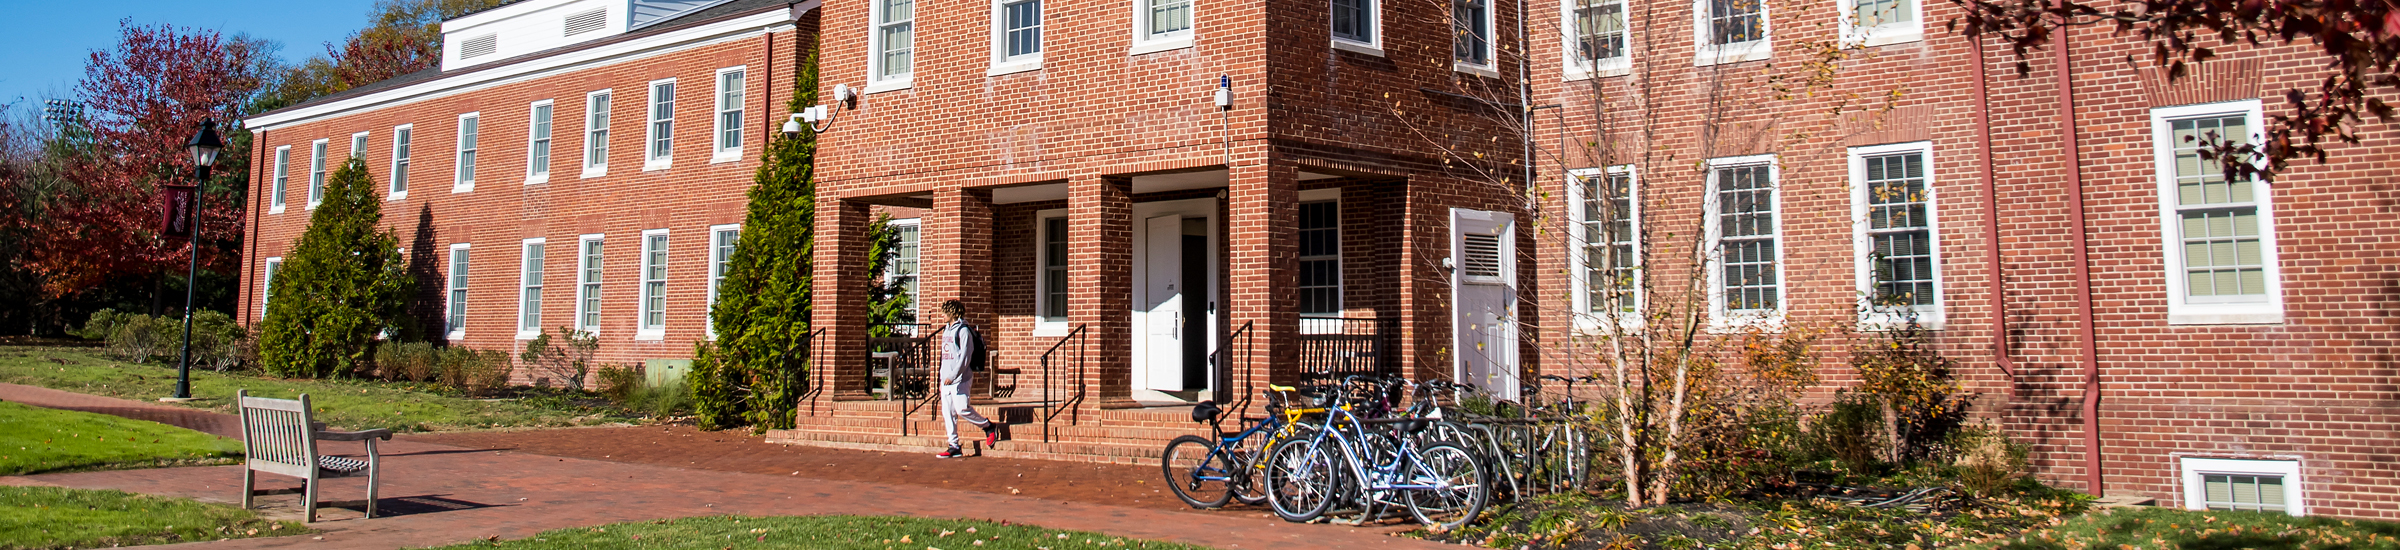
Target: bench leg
{"points": [[374, 465], [308, 499], [249, 485]]}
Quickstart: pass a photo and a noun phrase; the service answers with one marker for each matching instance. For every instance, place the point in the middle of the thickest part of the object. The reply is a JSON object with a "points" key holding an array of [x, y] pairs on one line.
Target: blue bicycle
{"points": [[1208, 471]]}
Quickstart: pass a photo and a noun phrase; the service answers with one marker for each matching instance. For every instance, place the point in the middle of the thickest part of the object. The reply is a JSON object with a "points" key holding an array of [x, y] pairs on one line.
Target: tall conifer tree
{"points": [[340, 286], [763, 306]]}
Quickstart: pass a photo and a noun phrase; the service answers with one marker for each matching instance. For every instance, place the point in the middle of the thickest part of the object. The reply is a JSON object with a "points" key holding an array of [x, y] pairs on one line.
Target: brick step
{"points": [[1034, 448]]}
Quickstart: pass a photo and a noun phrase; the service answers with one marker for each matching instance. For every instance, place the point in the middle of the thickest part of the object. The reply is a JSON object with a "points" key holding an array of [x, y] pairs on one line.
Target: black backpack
{"points": [[976, 355]]}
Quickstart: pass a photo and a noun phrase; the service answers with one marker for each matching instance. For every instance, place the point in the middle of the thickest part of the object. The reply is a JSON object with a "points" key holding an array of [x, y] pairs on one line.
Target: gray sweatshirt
{"points": [[956, 344]]}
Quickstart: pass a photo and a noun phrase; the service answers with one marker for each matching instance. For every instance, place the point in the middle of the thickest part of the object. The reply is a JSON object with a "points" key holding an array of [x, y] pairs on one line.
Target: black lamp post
{"points": [[203, 147]]}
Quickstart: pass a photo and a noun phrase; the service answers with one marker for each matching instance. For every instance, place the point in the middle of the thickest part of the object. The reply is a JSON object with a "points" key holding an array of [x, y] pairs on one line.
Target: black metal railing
{"points": [[803, 353], [1051, 392], [899, 356], [1335, 347], [1224, 358]]}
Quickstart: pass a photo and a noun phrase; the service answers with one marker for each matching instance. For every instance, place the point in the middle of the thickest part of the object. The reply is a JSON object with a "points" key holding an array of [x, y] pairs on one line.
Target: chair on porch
{"points": [[279, 436]]}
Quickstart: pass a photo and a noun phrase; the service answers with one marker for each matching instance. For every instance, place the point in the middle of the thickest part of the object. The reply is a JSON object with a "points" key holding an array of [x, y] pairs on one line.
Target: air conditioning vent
{"points": [[1479, 256], [478, 46], [587, 21]]}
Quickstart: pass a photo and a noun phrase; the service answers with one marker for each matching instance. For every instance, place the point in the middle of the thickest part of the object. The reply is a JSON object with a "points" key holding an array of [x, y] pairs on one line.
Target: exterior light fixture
{"points": [[183, 217]]}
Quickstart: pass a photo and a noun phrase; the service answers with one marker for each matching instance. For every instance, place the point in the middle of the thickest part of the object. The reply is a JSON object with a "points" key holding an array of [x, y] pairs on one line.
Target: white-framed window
{"points": [[1016, 36], [892, 44], [658, 151], [529, 289], [1604, 245], [654, 286], [1320, 276], [266, 288], [283, 178], [1730, 31], [1897, 243], [907, 256], [358, 146], [1880, 22], [1051, 298], [1471, 37], [721, 240], [1161, 25], [455, 306], [316, 173], [1358, 26], [401, 135], [1597, 38], [587, 281], [538, 138], [595, 134], [2243, 484], [728, 137], [464, 180], [1744, 241], [2218, 232]]}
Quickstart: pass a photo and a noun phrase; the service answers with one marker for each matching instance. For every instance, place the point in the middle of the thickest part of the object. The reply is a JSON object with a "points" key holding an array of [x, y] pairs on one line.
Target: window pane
{"points": [[1471, 30], [1746, 221], [530, 312], [1320, 240], [1902, 235], [1024, 30], [589, 293], [595, 139], [729, 110]]}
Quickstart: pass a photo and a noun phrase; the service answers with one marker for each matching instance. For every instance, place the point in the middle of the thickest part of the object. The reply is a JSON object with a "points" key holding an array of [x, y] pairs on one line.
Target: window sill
{"points": [[650, 335], [1883, 36], [728, 155], [537, 179], [1723, 322], [1597, 325], [1485, 71], [594, 172], [1358, 47], [1733, 53], [1887, 322], [312, 206], [275, 210], [1051, 329], [525, 335], [2227, 318], [1014, 67], [455, 335], [656, 165], [902, 83], [396, 197], [1604, 69], [1159, 45], [462, 187]]}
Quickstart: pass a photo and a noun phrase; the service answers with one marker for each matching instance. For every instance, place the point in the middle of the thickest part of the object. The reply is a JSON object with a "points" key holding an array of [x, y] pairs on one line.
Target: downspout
{"points": [[2083, 269], [255, 213], [1991, 225]]}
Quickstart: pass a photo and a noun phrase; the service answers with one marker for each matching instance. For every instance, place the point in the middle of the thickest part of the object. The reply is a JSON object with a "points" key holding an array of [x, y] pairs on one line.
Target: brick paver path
{"points": [[443, 494]]}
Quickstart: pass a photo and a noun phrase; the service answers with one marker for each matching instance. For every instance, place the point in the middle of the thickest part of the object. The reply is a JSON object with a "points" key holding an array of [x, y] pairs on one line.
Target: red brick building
{"points": [[1155, 203]]}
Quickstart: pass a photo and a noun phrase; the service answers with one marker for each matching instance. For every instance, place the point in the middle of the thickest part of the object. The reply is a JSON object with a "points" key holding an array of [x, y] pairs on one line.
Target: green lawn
{"points": [[35, 440], [349, 404], [825, 532], [51, 517], [2148, 528]]}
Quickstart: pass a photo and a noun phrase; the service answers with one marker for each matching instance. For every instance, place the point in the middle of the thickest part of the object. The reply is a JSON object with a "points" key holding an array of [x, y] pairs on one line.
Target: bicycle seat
{"points": [[1206, 412]]}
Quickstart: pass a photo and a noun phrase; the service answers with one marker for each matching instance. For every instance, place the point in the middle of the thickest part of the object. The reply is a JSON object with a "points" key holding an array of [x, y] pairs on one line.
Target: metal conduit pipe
{"points": [[1991, 218], [2093, 477]]}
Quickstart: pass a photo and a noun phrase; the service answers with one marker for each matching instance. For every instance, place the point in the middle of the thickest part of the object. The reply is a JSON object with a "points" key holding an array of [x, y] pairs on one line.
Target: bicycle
{"points": [[1442, 484], [1193, 464]]}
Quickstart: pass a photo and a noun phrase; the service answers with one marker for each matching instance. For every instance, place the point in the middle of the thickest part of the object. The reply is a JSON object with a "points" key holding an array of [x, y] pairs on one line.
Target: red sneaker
{"points": [[953, 452], [991, 438]]}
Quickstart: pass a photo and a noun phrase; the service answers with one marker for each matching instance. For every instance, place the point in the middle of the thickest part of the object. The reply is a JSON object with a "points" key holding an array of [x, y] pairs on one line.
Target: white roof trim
{"points": [[672, 41]]}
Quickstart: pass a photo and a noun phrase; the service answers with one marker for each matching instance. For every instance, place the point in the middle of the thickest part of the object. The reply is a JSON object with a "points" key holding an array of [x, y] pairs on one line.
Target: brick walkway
{"points": [[439, 494]]}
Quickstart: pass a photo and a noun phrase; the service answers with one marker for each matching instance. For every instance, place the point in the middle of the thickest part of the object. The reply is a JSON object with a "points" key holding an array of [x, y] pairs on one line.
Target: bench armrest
{"points": [[362, 435]]}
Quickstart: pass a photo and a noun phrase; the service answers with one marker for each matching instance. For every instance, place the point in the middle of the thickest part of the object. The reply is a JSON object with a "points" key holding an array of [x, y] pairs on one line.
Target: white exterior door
{"points": [[1162, 302], [1173, 305], [1483, 299]]}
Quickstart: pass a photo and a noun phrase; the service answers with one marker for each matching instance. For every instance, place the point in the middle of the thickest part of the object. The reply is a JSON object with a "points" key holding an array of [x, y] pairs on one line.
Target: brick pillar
{"points": [[1263, 202], [840, 303], [1100, 284], [956, 259]]}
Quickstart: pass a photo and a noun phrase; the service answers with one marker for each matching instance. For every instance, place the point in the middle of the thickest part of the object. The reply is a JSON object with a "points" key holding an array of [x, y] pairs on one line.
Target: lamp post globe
{"points": [[203, 148]]}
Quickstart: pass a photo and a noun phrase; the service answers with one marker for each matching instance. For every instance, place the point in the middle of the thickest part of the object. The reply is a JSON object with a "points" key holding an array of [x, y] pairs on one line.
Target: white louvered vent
{"points": [[587, 21], [478, 46], [1479, 256]]}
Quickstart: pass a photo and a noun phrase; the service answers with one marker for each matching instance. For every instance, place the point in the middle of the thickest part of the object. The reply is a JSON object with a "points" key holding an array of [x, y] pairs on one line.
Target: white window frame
{"points": [[1373, 45], [1721, 318], [716, 137], [529, 286], [595, 132], [588, 282], [316, 174], [358, 146], [1341, 289], [1002, 63], [876, 80], [1578, 262], [1570, 53], [462, 164], [1705, 53], [2195, 495], [1489, 68], [917, 271], [645, 329], [283, 179], [2179, 311], [1912, 30], [1046, 326], [1145, 42], [266, 287], [716, 269], [651, 160], [454, 289], [1863, 240], [537, 170], [403, 146]]}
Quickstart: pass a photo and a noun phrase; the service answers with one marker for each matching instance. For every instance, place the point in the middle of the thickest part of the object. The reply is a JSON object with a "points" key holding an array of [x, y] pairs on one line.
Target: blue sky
{"points": [[43, 43]]}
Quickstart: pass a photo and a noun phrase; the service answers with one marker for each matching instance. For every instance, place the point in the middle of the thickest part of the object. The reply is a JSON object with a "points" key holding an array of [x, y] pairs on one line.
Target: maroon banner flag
{"points": [[180, 210]]}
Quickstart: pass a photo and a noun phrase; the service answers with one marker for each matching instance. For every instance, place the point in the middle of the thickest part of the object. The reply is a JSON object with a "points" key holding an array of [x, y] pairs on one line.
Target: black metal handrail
{"points": [[1356, 345], [811, 385], [1249, 344], [1051, 407]]}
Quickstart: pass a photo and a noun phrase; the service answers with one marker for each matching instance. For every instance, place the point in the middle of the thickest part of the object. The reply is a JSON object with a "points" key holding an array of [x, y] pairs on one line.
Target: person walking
{"points": [[962, 355]]}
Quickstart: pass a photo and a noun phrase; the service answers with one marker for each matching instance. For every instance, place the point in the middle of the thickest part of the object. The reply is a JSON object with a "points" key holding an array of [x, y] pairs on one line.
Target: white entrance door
{"points": [[1162, 302], [1175, 256], [1483, 298]]}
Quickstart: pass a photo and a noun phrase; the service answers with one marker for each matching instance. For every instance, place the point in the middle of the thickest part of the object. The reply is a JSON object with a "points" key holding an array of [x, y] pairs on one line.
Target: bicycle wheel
{"points": [[1300, 480], [1459, 494], [1199, 477], [1249, 487]]}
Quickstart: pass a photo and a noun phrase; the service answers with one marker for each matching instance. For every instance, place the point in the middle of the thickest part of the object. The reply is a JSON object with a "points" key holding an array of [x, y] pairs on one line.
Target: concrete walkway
{"points": [[437, 494]]}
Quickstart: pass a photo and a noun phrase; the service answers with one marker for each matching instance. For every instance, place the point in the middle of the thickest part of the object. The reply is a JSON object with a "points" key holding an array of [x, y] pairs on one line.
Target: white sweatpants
{"points": [[955, 407]]}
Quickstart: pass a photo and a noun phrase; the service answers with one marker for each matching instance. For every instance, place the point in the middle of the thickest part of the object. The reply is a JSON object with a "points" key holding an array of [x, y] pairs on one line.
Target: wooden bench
{"points": [[279, 436]]}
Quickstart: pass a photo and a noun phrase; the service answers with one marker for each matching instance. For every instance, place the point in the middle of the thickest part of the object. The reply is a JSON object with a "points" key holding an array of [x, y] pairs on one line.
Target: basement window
{"points": [[2243, 485]]}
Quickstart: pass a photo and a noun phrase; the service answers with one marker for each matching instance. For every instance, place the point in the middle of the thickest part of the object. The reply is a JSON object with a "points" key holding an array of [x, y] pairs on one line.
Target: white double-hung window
{"points": [[465, 179], [1358, 26], [1604, 246], [283, 177], [1161, 25], [1016, 36], [1744, 236], [537, 150], [892, 45], [316, 173], [2218, 231], [721, 240], [1879, 22], [266, 290], [1050, 296], [455, 306], [659, 133], [358, 146], [1897, 246], [1320, 283], [595, 134], [1730, 31], [728, 136], [1596, 38], [587, 282], [654, 286], [529, 290], [401, 135], [1471, 37]]}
